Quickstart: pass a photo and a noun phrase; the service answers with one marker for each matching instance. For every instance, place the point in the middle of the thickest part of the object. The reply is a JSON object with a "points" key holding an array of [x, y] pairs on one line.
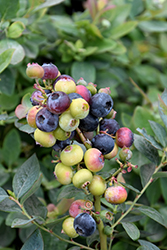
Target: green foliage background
{"points": [[122, 46]]}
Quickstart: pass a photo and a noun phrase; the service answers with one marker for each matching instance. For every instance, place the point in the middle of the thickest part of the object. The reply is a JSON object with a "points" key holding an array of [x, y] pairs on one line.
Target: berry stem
{"points": [[83, 139], [100, 225]]}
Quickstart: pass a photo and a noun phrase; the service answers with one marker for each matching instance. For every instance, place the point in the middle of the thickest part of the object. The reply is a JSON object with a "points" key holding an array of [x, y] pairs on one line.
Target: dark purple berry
{"points": [[60, 145], [101, 104], [89, 123], [84, 224], [109, 125], [58, 102], [124, 137], [36, 97], [50, 71], [46, 121], [103, 142], [74, 96]]}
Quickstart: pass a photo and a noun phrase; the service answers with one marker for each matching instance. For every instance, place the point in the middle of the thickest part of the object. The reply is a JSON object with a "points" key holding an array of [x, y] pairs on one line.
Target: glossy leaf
{"points": [[15, 29], [150, 139], [7, 83], [153, 214], [3, 194], [131, 229], [32, 190], [146, 148], [122, 29], [146, 172], [5, 58], [11, 147], [34, 242], [159, 132], [8, 9], [68, 192], [148, 245], [163, 107], [35, 207], [26, 176], [20, 223], [47, 4], [153, 26], [85, 70], [18, 53]]}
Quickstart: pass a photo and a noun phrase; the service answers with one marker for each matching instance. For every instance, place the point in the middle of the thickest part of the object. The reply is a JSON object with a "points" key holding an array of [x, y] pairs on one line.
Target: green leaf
{"points": [[153, 192], [8, 205], [35, 207], [4, 175], [147, 245], [162, 104], [163, 184], [7, 103], [18, 54], [122, 29], [3, 194], [5, 58], [7, 235], [159, 132], [25, 177], [12, 216], [103, 45], [68, 192], [15, 29], [32, 190], [157, 232], [153, 26], [47, 4], [140, 119], [130, 187], [146, 148], [34, 242], [7, 82], [8, 9], [146, 172], [153, 214], [20, 223], [22, 109], [11, 147], [150, 139], [162, 174], [131, 229], [85, 70]]}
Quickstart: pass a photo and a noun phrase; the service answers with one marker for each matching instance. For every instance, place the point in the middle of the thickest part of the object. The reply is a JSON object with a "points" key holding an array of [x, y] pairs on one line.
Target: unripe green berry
{"points": [[79, 108], [125, 154], [71, 155], [81, 177], [63, 173], [67, 122], [97, 185], [68, 227], [60, 134], [45, 139]]}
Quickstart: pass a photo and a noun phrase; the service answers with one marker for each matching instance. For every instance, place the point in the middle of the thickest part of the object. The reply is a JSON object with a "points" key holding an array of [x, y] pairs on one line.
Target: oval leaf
{"points": [[25, 177], [159, 132], [5, 58], [3, 194], [146, 148], [148, 245], [20, 223], [146, 172], [15, 29], [153, 214], [34, 242], [131, 230]]}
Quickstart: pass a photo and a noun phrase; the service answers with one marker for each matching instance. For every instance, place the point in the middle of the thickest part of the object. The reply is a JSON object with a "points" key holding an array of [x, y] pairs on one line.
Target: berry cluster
{"points": [[64, 112]]}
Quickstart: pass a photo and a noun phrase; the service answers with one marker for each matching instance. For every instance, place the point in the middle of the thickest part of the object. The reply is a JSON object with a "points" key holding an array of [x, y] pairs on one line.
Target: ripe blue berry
{"points": [[46, 121], [110, 125], [84, 224], [101, 104], [58, 102], [89, 123], [103, 142]]}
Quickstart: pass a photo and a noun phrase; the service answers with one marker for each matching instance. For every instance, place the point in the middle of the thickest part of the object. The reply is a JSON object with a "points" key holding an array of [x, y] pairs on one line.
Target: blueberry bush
{"points": [[83, 124]]}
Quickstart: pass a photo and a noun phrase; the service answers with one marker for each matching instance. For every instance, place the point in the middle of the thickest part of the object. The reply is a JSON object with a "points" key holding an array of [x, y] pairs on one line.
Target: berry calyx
{"points": [[82, 177]]}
